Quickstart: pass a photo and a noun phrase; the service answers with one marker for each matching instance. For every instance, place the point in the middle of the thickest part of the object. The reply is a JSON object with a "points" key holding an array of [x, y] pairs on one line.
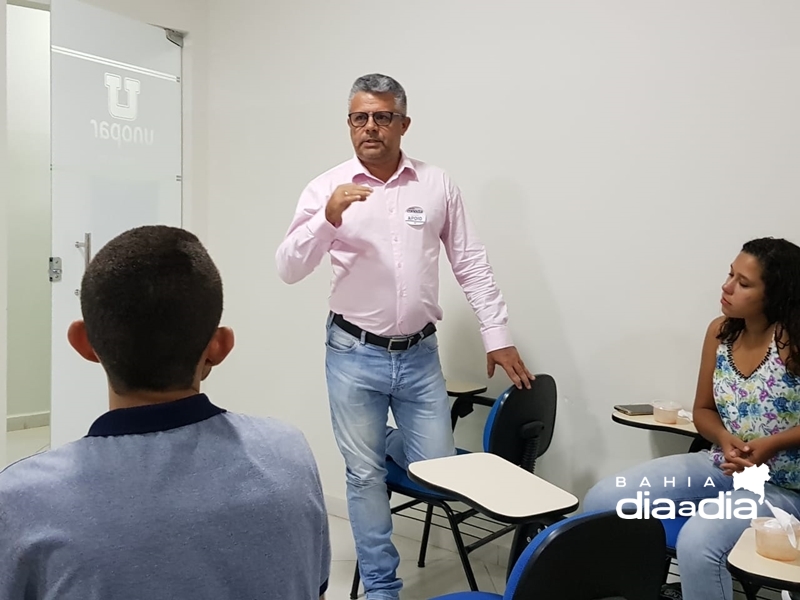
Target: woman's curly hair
{"points": [[780, 266]]}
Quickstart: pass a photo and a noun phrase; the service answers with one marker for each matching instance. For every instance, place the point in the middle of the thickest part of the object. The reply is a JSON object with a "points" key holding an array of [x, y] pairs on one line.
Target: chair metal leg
{"points": [[462, 551], [667, 565], [523, 534], [750, 589], [356, 582], [426, 531]]}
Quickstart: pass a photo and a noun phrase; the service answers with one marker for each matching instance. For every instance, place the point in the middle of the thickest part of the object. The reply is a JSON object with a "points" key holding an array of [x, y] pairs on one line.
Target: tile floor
{"points": [[442, 573]]}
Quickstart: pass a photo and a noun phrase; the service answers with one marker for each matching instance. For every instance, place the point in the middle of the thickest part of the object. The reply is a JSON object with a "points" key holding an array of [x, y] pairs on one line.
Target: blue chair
{"points": [[519, 428], [672, 527], [572, 560]]}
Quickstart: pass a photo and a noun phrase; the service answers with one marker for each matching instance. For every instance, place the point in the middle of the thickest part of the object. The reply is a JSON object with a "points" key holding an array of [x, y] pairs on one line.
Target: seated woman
{"points": [[747, 405]]}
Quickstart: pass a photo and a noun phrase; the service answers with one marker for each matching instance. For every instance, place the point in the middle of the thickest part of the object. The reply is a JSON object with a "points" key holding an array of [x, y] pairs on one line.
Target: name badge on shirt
{"points": [[415, 216]]}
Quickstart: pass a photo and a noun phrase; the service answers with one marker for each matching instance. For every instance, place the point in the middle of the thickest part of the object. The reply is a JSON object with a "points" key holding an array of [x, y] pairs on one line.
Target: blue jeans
{"points": [[703, 544], [364, 382]]}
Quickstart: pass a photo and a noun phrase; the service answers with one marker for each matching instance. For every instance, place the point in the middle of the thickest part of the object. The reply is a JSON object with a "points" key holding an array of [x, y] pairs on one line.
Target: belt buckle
{"points": [[406, 340]]}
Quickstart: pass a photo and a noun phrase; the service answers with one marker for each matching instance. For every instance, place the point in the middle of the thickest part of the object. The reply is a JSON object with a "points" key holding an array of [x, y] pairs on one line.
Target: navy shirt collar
{"points": [[154, 417]]}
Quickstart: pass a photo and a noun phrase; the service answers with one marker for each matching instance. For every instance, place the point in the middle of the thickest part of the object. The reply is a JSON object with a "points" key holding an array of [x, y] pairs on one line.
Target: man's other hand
{"points": [[509, 359], [341, 199]]}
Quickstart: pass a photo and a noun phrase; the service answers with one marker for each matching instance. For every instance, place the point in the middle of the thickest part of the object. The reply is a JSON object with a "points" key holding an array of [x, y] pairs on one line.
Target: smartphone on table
{"points": [[634, 410]]}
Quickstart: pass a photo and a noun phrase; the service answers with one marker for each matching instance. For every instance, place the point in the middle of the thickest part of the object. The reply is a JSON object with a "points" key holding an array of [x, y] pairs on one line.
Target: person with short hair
{"points": [[383, 218], [168, 496]]}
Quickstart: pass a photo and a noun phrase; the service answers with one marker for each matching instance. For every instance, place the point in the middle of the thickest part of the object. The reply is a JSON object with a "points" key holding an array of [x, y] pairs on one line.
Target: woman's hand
{"points": [[753, 453], [733, 449]]}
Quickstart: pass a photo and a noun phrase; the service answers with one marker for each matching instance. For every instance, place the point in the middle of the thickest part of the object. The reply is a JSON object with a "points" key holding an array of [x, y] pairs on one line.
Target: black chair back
{"points": [[521, 423], [591, 557]]}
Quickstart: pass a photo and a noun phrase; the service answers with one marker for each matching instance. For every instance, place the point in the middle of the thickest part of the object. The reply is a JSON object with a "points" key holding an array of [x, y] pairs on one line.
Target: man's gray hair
{"points": [[375, 83]]}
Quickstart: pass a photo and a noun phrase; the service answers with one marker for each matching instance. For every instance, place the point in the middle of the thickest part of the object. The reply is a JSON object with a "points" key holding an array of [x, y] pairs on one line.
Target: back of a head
{"points": [[151, 300]]}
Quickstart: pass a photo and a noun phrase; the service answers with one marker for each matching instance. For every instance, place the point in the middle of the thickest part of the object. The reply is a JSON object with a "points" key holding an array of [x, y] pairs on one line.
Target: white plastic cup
{"points": [[772, 541], [666, 412]]}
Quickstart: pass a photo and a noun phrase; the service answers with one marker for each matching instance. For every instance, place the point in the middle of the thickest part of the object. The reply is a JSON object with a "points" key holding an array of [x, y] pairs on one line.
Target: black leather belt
{"points": [[390, 343]]}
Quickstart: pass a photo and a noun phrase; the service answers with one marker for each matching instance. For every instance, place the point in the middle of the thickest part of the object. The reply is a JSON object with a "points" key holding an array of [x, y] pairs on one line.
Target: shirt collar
{"points": [[406, 166], [154, 417]]}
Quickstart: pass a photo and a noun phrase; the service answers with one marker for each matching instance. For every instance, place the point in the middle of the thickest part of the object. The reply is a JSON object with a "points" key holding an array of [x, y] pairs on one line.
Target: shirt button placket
{"points": [[392, 200]]}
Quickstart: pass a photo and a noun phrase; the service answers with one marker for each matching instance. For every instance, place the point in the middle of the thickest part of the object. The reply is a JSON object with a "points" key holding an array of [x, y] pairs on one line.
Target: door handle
{"points": [[87, 245]]}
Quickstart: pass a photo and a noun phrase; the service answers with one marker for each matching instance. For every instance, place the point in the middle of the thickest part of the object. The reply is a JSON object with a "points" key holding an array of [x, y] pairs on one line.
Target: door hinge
{"points": [[176, 37], [55, 269]]}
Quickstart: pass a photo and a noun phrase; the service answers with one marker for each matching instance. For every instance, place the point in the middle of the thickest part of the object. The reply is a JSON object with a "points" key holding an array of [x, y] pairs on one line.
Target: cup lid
{"points": [[667, 404]]}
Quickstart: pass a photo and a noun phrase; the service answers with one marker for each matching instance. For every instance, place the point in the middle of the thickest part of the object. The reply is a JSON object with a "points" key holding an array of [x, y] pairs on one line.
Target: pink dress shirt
{"points": [[385, 269]]}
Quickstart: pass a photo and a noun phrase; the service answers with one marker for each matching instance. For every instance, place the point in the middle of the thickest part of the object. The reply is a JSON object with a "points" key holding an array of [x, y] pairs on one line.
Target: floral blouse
{"points": [[765, 403]]}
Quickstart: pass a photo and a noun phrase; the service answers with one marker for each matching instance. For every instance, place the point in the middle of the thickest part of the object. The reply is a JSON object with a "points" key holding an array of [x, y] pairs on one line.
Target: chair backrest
{"points": [[517, 415], [603, 556]]}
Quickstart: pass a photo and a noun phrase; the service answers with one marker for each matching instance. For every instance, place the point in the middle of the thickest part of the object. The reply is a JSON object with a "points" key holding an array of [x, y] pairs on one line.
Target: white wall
{"points": [[28, 76], [614, 157]]}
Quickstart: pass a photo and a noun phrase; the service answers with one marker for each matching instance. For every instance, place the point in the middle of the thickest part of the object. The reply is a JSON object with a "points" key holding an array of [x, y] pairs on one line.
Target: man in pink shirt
{"points": [[383, 217]]}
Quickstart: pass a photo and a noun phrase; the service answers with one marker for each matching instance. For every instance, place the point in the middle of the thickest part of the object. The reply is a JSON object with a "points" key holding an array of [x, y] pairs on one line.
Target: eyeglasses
{"points": [[382, 118]]}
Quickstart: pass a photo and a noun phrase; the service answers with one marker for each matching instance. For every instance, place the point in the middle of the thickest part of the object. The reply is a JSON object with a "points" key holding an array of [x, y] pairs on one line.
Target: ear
{"points": [[76, 335], [218, 349], [405, 125]]}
